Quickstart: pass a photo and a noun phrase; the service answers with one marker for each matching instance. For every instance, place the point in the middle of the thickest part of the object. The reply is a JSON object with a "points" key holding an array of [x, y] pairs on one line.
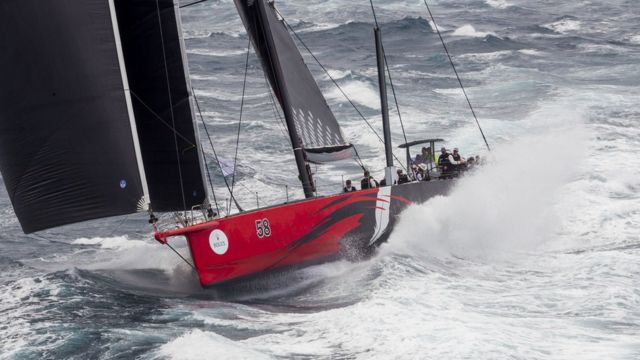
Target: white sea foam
{"points": [[502, 209], [455, 92], [19, 301], [635, 39], [490, 56], [359, 91], [602, 49], [225, 95], [469, 31], [564, 26], [321, 27], [498, 4], [339, 74], [113, 243], [198, 344], [215, 52], [531, 52]]}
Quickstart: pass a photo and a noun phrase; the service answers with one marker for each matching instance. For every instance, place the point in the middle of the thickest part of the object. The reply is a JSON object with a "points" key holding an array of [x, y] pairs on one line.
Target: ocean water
{"points": [[535, 256]]}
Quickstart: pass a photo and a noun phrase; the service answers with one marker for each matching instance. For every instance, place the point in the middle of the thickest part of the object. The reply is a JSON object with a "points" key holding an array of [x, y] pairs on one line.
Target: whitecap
{"points": [[449, 92], [564, 26], [601, 49], [498, 4], [216, 52], [490, 56], [112, 243], [531, 52], [339, 74], [321, 27], [198, 344], [360, 92], [469, 31]]}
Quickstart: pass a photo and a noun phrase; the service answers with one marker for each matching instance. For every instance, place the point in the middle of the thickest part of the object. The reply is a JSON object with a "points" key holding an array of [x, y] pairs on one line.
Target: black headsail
{"points": [[162, 101], [314, 124], [69, 144]]}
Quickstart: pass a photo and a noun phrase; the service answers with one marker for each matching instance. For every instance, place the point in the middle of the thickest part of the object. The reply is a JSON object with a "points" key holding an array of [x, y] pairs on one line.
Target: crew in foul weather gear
{"points": [[349, 187], [458, 161], [450, 164], [444, 163], [368, 182], [422, 174], [402, 177], [425, 157]]}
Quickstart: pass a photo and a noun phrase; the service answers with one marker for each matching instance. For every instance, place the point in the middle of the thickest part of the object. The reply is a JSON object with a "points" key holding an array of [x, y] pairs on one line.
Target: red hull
{"points": [[298, 233]]}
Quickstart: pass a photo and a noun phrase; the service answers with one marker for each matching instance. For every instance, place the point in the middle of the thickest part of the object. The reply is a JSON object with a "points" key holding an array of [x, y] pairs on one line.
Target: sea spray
{"points": [[503, 208]]}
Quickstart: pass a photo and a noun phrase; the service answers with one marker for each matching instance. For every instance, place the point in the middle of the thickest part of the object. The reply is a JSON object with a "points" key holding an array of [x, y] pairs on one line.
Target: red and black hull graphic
{"points": [[309, 231]]}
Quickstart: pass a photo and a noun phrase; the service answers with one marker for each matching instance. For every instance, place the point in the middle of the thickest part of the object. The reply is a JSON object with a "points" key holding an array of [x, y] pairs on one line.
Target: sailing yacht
{"points": [[98, 119]]}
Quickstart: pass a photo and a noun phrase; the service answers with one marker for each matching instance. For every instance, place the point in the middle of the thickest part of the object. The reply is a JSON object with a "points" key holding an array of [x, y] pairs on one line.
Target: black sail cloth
{"points": [[315, 124], [161, 96], [66, 146], [69, 144]]}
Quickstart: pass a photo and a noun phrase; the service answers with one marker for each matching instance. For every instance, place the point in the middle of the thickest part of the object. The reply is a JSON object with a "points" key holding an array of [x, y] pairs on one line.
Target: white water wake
{"points": [[505, 207]]}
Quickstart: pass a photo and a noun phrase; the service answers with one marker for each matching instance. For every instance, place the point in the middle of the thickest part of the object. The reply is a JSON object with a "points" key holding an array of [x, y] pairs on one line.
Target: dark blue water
{"points": [[534, 257]]}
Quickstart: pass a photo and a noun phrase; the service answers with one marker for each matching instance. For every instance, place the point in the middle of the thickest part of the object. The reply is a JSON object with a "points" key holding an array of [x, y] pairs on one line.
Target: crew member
{"points": [[425, 157], [422, 174], [444, 164], [458, 162], [448, 164], [402, 177], [348, 187], [368, 182]]}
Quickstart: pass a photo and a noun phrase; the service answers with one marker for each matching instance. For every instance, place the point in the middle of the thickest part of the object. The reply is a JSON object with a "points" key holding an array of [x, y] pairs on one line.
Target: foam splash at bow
{"points": [[505, 208]]}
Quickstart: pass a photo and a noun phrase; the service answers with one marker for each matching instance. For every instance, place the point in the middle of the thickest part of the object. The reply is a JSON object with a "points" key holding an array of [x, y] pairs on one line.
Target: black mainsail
{"points": [[74, 146], [315, 128]]}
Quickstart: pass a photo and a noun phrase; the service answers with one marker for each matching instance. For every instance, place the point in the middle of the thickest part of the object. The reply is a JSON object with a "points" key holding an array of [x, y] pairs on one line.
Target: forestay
{"points": [[310, 116]]}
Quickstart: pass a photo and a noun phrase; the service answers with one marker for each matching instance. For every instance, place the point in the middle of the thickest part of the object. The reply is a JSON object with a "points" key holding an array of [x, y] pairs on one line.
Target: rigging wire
{"points": [[173, 120], [193, 3], [276, 113], [388, 70], [215, 154], [395, 97], [446, 50], [175, 131], [180, 255], [335, 82], [244, 88], [213, 190]]}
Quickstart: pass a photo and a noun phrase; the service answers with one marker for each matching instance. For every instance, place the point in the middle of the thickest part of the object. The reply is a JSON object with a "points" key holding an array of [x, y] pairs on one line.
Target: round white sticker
{"points": [[218, 242]]}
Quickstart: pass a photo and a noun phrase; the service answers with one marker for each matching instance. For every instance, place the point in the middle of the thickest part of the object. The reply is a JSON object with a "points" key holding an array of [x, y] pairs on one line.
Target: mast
{"points": [[389, 169], [296, 142]]}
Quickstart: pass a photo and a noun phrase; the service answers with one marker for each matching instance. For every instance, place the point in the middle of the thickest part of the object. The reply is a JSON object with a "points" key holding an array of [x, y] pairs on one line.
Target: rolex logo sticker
{"points": [[218, 242]]}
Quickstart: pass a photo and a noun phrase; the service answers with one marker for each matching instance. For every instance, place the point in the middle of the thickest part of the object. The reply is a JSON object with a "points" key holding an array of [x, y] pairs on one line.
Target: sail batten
{"points": [[314, 124]]}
